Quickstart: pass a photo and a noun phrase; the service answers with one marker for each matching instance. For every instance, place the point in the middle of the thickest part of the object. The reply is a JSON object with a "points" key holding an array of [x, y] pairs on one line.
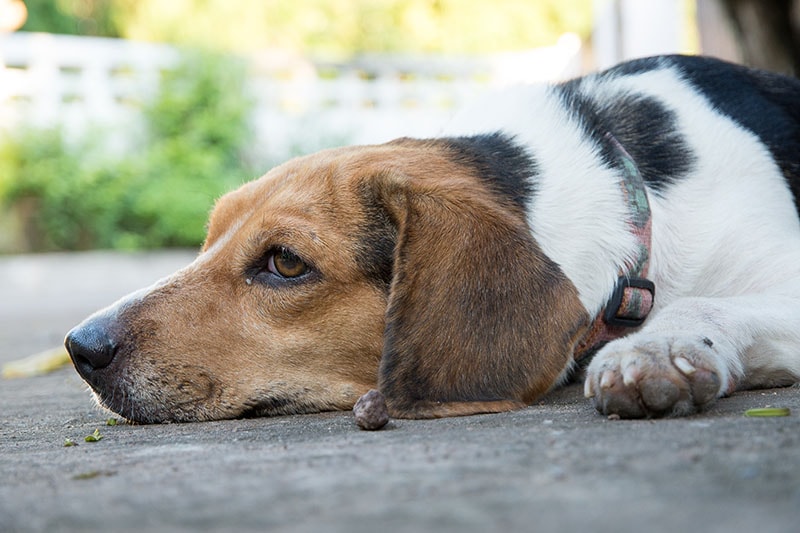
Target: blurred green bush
{"points": [[64, 195]]}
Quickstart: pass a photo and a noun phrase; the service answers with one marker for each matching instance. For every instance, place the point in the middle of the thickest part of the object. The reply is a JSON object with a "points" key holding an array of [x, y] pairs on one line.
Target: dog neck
{"points": [[590, 212], [634, 294]]}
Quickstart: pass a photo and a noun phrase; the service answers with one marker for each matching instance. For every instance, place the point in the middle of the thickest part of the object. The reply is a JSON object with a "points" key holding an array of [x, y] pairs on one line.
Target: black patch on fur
{"points": [[495, 158], [764, 103], [500, 162], [645, 128], [376, 241]]}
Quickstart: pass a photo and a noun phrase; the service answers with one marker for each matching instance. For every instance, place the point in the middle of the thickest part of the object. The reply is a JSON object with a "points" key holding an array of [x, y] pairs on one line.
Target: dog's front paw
{"points": [[639, 376]]}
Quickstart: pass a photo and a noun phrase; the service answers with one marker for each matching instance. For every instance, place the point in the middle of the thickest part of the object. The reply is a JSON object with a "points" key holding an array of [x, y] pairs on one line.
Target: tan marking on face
{"points": [[224, 338], [221, 338]]}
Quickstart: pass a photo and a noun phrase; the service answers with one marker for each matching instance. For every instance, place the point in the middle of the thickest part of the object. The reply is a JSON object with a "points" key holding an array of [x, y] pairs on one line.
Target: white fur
{"points": [[560, 219], [725, 243]]}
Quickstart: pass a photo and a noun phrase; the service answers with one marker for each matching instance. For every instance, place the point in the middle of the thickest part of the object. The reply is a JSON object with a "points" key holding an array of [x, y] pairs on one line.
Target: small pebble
{"points": [[370, 411], [613, 416]]}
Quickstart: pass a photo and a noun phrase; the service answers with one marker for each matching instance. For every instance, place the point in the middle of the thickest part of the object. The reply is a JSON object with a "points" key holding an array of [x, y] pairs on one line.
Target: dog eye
{"points": [[284, 263]]}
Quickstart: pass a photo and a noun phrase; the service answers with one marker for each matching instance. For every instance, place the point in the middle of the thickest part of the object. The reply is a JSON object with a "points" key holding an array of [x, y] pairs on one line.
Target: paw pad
{"points": [[654, 377]]}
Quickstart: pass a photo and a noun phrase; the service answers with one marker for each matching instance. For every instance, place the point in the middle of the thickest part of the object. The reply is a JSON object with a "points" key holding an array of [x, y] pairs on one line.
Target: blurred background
{"points": [[121, 121]]}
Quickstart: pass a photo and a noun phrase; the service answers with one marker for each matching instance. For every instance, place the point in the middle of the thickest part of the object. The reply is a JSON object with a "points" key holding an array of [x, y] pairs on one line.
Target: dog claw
{"points": [[683, 364], [630, 376], [588, 388], [607, 380]]}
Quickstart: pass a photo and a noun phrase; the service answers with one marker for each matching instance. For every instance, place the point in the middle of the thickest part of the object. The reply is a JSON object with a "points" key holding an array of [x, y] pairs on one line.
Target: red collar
{"points": [[634, 294]]}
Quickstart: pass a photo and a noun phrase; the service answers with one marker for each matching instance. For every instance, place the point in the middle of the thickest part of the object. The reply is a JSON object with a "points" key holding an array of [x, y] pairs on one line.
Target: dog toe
{"points": [[653, 378], [615, 397], [705, 386]]}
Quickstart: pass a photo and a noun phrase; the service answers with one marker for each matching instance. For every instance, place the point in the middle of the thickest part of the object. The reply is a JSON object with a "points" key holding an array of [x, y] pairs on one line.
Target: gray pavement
{"points": [[555, 466]]}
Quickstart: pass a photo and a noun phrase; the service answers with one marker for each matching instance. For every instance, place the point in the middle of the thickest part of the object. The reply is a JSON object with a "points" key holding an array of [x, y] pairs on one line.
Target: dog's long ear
{"points": [[479, 319]]}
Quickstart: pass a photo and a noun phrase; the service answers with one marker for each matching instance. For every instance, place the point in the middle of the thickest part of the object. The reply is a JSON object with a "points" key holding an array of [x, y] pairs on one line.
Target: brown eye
{"points": [[284, 263]]}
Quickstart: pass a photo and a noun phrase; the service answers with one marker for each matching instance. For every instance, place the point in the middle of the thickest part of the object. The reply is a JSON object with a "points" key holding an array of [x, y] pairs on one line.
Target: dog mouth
{"points": [[141, 387], [159, 400], [156, 398], [138, 412]]}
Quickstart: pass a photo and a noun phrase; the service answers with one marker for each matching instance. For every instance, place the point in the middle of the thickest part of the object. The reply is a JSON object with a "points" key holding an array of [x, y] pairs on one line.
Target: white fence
{"points": [[78, 81]]}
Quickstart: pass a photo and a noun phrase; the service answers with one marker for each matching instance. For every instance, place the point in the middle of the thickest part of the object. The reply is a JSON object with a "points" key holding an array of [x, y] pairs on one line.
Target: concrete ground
{"points": [[556, 466]]}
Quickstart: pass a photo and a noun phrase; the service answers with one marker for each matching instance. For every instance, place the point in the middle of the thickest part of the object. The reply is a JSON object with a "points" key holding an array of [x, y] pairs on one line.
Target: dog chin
{"points": [[133, 413], [140, 411], [137, 411]]}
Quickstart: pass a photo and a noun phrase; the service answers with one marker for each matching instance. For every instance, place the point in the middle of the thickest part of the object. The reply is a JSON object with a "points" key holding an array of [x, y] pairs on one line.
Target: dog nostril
{"points": [[90, 347]]}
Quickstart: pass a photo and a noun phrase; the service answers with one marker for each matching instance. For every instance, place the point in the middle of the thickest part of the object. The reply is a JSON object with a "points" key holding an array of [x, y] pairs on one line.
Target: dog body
{"points": [[465, 274]]}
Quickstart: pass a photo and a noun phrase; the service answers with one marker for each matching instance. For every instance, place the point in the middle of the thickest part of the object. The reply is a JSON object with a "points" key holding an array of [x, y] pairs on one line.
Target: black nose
{"points": [[90, 346]]}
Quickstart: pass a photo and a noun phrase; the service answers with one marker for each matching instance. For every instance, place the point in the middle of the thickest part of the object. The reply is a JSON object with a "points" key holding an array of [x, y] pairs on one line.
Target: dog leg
{"points": [[695, 351]]}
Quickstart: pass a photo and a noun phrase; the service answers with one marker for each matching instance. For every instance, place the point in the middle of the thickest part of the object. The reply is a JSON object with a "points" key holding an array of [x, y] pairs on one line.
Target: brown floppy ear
{"points": [[479, 320]]}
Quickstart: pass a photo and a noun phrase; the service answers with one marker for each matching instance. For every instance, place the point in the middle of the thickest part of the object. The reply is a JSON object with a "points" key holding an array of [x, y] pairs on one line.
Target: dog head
{"points": [[409, 266]]}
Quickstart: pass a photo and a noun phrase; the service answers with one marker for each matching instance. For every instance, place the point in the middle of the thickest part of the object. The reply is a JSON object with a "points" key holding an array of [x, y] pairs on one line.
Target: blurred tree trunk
{"points": [[760, 33]]}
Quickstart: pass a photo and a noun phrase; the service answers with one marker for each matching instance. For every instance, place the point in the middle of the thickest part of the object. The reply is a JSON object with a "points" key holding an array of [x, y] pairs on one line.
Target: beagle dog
{"points": [[638, 227]]}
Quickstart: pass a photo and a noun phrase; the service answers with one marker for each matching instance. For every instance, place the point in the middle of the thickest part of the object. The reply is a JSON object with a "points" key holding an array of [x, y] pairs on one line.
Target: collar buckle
{"points": [[630, 303]]}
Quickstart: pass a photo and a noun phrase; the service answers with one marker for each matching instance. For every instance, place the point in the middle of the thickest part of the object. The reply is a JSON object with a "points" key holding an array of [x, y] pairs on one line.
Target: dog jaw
{"points": [[226, 337]]}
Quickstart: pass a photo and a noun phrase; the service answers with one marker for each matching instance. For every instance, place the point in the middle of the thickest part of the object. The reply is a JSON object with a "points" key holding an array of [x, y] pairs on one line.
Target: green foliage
{"points": [[194, 98], [198, 131], [69, 197], [36, 170], [323, 27], [84, 17]]}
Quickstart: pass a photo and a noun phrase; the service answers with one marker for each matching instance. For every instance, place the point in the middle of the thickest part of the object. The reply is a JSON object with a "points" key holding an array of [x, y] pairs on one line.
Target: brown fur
{"points": [[425, 282]]}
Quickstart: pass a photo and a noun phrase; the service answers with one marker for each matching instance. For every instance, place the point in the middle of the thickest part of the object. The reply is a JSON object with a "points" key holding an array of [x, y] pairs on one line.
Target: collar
{"points": [[634, 294]]}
